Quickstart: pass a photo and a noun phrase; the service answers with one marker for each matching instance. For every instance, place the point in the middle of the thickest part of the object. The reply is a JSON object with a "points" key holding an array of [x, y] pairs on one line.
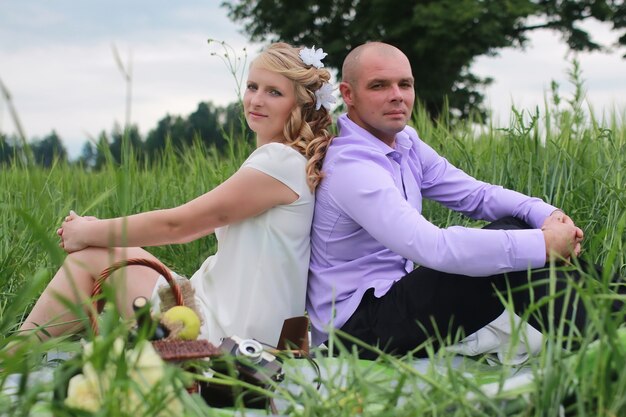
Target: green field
{"points": [[562, 155]]}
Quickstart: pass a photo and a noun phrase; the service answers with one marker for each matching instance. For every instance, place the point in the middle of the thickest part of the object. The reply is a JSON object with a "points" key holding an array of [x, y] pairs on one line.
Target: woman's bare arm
{"points": [[247, 193]]}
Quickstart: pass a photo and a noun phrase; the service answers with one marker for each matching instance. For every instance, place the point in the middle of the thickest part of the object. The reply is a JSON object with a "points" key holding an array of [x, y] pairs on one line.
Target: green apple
{"points": [[183, 322]]}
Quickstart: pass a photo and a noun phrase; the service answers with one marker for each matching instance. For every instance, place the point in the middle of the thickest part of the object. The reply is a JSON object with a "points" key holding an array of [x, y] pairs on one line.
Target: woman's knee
{"points": [[95, 260]]}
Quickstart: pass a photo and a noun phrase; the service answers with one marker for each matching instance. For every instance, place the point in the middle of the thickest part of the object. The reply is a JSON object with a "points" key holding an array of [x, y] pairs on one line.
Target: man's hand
{"points": [[563, 238]]}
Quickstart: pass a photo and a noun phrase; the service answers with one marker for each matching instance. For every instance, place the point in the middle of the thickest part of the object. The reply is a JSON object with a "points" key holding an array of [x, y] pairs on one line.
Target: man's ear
{"points": [[346, 92]]}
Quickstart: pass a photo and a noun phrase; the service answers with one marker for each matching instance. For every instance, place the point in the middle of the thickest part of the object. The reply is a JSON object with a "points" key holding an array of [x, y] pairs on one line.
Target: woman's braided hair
{"points": [[306, 130]]}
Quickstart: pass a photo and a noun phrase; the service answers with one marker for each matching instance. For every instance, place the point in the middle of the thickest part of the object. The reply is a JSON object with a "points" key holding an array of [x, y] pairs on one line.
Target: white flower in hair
{"points": [[324, 97], [311, 56]]}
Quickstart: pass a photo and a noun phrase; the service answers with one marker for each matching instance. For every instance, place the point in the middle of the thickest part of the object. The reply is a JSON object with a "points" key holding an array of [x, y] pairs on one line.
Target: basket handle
{"points": [[98, 304]]}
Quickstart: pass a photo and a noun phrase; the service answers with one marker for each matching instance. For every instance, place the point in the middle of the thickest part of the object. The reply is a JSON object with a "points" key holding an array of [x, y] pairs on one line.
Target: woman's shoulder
{"points": [[281, 162], [277, 149], [275, 155]]}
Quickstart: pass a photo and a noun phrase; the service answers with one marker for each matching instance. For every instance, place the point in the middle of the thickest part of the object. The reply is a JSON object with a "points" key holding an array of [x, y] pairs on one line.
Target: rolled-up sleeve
{"points": [[365, 191], [448, 185]]}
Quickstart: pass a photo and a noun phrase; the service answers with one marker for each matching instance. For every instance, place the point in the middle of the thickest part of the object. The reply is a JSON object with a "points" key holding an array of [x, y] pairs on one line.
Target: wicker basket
{"points": [[169, 350]]}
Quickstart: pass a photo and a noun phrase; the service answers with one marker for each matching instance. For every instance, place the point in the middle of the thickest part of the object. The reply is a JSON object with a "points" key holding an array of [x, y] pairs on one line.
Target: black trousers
{"points": [[428, 305]]}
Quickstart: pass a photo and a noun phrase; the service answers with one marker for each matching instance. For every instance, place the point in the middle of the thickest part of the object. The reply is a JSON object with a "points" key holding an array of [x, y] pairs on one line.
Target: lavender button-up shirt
{"points": [[368, 230]]}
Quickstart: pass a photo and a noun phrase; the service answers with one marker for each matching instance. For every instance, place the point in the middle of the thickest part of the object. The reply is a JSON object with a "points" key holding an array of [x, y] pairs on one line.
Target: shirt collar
{"points": [[349, 129], [403, 143]]}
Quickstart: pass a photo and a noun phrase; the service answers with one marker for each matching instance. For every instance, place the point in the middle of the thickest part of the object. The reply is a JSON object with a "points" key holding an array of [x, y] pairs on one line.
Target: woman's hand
{"points": [[71, 231]]}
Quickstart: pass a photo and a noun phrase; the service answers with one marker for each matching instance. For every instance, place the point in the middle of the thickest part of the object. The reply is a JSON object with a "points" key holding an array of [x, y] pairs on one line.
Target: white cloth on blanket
{"points": [[508, 336]]}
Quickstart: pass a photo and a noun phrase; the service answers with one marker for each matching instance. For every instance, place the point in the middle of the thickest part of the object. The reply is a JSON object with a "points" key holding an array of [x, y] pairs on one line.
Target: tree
{"points": [[205, 124], [6, 150], [88, 155], [48, 149], [234, 123], [102, 150], [118, 136], [440, 37], [172, 127]]}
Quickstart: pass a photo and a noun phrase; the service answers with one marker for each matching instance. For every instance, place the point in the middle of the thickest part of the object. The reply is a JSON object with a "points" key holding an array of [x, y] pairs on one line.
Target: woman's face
{"points": [[267, 103]]}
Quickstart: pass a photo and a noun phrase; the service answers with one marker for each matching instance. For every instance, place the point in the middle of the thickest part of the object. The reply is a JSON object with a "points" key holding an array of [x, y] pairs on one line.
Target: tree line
{"points": [[209, 125]]}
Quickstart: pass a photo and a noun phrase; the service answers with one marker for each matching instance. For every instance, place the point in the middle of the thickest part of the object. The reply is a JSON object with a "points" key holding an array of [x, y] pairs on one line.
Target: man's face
{"points": [[380, 97]]}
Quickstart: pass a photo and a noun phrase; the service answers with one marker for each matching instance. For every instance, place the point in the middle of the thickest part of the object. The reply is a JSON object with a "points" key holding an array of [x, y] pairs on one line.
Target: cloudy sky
{"points": [[56, 60]]}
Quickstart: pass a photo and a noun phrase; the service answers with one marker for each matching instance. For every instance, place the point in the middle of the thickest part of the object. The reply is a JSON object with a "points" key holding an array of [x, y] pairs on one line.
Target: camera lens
{"points": [[251, 349]]}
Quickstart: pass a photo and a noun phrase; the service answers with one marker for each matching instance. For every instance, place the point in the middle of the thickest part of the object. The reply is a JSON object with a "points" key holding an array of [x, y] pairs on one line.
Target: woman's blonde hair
{"points": [[306, 130]]}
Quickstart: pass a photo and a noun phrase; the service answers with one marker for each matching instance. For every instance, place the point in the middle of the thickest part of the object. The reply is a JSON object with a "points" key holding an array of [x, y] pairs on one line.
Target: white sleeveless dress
{"points": [[258, 277]]}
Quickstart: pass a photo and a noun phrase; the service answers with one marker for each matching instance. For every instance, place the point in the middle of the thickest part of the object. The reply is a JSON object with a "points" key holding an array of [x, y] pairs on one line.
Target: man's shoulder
{"points": [[348, 150]]}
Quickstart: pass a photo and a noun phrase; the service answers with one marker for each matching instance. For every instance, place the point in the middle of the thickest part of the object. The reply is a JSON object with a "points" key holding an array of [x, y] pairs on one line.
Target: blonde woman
{"points": [[261, 216]]}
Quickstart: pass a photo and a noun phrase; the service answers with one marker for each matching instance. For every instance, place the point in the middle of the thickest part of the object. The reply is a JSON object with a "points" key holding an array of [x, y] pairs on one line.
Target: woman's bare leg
{"points": [[74, 282]]}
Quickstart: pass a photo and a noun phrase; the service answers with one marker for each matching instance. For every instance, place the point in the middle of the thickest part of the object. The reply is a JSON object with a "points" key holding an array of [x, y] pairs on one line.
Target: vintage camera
{"points": [[248, 361]]}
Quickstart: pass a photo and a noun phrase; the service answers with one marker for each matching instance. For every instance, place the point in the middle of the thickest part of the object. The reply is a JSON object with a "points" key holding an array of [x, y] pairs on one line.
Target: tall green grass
{"points": [[573, 161]]}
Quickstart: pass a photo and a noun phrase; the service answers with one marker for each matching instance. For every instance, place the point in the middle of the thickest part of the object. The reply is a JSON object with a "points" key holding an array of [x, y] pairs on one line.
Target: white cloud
{"points": [[523, 77]]}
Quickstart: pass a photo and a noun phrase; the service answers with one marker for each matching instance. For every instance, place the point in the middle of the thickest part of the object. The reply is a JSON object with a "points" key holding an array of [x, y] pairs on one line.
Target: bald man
{"points": [[368, 231]]}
